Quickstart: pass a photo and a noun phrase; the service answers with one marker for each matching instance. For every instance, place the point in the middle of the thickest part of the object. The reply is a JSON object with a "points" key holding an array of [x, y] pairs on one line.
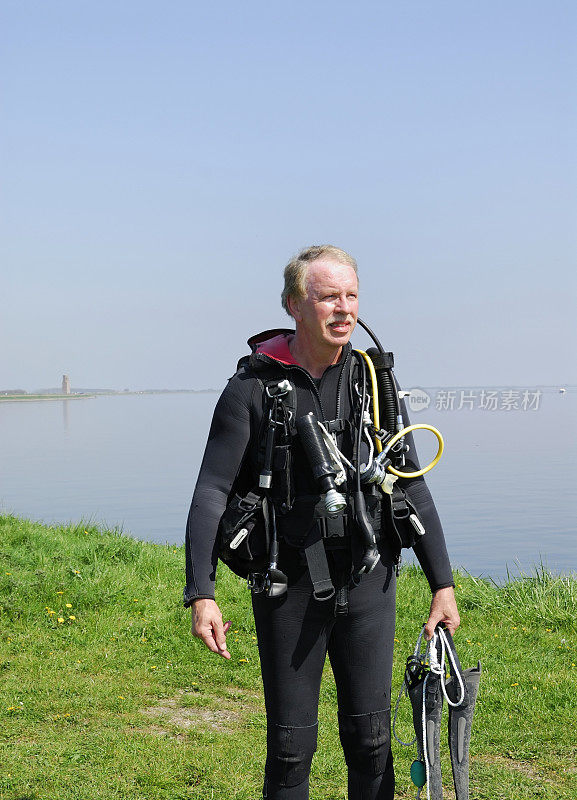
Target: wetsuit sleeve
{"points": [[431, 550], [225, 452]]}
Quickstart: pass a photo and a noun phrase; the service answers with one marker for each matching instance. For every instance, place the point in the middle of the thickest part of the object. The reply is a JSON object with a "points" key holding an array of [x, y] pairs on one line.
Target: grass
{"points": [[105, 694]]}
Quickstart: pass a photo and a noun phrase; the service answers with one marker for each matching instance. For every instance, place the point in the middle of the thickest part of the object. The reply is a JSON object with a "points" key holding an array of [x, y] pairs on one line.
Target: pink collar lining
{"points": [[278, 348]]}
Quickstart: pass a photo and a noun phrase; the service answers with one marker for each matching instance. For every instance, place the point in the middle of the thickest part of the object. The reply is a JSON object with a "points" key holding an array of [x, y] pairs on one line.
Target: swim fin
{"points": [[430, 737], [460, 724]]}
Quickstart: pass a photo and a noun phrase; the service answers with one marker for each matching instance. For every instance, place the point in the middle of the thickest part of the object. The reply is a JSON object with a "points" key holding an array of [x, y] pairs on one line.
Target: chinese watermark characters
{"points": [[470, 399]]}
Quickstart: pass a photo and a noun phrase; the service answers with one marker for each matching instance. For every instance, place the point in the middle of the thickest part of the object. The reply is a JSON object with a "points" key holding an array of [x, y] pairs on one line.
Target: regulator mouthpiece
{"points": [[371, 555], [275, 583]]}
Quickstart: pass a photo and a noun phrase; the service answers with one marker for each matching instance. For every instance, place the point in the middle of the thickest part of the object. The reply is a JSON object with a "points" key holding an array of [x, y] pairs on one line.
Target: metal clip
{"points": [[280, 389], [240, 537], [417, 525]]}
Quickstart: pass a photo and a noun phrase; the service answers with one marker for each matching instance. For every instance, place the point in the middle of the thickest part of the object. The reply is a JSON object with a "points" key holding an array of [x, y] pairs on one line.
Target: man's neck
{"points": [[313, 358]]}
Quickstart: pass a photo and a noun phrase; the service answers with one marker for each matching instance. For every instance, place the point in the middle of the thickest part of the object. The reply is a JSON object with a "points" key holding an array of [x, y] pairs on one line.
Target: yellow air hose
{"points": [[400, 434]]}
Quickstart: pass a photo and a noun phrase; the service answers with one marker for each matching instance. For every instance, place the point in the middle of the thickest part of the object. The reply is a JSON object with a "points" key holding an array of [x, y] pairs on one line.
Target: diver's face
{"points": [[328, 313]]}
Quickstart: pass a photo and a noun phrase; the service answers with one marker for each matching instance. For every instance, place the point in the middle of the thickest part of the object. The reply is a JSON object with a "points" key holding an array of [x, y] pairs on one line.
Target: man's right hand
{"points": [[207, 625]]}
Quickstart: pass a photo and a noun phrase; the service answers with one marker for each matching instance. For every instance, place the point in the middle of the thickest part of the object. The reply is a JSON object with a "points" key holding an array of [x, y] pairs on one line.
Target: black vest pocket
{"points": [[243, 543], [299, 527]]}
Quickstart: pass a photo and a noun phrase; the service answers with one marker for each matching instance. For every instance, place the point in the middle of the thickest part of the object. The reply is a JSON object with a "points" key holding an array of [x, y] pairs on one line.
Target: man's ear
{"points": [[294, 308]]}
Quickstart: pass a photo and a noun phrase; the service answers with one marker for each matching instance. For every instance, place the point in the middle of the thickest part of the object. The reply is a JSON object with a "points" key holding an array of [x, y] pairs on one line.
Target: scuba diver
{"points": [[309, 487]]}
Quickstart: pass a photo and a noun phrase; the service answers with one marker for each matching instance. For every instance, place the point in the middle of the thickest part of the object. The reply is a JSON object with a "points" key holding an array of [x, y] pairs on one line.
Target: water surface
{"points": [[505, 487]]}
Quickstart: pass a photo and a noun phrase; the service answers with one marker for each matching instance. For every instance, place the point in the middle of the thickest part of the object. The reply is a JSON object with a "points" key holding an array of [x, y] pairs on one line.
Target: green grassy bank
{"points": [[104, 693]]}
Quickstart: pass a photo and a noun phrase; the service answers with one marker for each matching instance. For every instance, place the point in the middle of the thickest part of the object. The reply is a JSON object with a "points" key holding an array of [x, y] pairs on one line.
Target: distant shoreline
{"points": [[22, 398]]}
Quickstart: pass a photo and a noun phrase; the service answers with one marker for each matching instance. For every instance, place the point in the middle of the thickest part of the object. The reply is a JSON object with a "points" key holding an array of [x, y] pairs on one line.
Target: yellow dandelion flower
{"points": [[534, 687], [153, 667], [8, 573], [60, 619], [85, 531], [243, 661], [121, 697], [71, 616], [57, 716], [11, 708], [68, 605], [253, 638], [59, 592], [514, 684], [66, 715], [549, 630]]}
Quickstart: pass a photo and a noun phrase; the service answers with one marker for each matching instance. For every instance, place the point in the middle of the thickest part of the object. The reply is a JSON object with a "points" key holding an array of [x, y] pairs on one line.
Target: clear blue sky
{"points": [[162, 161]]}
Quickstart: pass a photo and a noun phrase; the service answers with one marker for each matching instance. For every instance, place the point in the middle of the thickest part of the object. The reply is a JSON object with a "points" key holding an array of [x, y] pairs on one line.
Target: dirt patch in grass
{"points": [[157, 730], [523, 767], [175, 712]]}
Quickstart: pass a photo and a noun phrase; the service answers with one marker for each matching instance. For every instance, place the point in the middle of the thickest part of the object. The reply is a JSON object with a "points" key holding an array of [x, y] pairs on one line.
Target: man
{"points": [[296, 629]]}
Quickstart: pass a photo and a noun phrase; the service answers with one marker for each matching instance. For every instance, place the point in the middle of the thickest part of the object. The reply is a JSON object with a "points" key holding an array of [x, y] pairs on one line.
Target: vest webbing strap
{"points": [[318, 565]]}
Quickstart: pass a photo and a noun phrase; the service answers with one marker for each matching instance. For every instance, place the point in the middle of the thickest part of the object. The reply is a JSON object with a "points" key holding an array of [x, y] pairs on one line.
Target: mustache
{"points": [[340, 320]]}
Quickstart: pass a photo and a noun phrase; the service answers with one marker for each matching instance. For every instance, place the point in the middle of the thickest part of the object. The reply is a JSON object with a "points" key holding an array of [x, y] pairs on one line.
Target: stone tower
{"points": [[65, 384]]}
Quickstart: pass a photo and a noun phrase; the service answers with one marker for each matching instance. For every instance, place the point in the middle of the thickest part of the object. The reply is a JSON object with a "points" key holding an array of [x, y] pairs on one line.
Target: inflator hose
{"points": [[387, 390]]}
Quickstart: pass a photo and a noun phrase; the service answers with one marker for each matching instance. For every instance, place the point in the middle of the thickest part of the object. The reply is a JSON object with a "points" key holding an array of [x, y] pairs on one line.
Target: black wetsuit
{"points": [[295, 631]]}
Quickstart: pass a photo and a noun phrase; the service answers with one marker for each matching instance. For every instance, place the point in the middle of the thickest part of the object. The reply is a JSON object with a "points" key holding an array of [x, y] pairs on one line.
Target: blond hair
{"points": [[295, 272]]}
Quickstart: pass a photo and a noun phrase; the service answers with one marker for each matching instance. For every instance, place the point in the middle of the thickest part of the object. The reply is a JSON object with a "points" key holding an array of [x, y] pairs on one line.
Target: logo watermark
{"points": [[470, 399], [418, 400]]}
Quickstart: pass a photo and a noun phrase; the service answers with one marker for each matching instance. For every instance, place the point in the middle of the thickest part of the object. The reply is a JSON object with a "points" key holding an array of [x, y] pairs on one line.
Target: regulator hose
{"points": [[386, 405], [403, 432]]}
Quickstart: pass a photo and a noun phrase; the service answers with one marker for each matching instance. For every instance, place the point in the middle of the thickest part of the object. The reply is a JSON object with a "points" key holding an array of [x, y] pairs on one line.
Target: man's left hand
{"points": [[443, 609]]}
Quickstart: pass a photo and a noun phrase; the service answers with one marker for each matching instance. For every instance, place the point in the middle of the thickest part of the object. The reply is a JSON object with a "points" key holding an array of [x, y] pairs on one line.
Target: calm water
{"points": [[505, 487]]}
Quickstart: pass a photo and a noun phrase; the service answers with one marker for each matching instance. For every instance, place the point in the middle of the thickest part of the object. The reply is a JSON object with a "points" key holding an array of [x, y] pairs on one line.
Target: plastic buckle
{"points": [[256, 582], [335, 425]]}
